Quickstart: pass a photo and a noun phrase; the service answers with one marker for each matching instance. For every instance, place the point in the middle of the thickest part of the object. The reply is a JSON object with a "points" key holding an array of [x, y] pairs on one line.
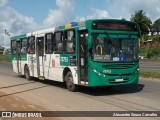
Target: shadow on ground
{"points": [[96, 91], [121, 89]]}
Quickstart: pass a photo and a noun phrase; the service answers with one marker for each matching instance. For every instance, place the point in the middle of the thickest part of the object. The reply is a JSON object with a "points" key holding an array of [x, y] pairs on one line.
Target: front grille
{"points": [[118, 66], [119, 74]]}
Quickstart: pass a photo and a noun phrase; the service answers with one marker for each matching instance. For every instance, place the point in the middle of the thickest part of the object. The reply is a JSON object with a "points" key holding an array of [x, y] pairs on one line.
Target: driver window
{"points": [[100, 46]]}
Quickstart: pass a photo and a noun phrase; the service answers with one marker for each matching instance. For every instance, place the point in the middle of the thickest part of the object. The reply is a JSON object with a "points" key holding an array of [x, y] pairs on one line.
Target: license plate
{"points": [[119, 80]]}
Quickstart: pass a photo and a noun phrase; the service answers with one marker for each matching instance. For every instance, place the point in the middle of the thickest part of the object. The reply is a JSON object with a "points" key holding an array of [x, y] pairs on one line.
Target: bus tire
{"points": [[27, 73], [70, 83]]}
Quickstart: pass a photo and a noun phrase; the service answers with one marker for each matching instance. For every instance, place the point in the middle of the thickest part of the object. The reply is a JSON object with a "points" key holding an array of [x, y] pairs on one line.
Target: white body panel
{"points": [[51, 63]]}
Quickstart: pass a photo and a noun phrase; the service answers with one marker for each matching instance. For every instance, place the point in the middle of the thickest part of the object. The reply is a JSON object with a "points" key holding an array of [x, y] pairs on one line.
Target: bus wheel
{"points": [[26, 73], [69, 82]]}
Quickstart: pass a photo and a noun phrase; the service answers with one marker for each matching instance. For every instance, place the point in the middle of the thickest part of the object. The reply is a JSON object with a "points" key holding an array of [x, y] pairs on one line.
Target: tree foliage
{"points": [[156, 26], [142, 20]]}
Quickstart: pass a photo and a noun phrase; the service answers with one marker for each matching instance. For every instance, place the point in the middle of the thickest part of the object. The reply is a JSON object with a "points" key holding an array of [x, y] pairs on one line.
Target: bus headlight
{"points": [[94, 70], [136, 71], [98, 73]]}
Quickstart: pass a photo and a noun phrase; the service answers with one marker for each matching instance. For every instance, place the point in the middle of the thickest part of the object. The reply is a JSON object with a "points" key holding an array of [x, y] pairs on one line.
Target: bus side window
{"points": [[70, 41], [18, 47], [58, 42], [24, 46], [31, 45], [49, 43], [13, 47]]}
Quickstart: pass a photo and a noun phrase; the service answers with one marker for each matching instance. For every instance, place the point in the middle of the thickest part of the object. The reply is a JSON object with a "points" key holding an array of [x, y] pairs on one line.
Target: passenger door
{"points": [[40, 57], [15, 47], [82, 57]]}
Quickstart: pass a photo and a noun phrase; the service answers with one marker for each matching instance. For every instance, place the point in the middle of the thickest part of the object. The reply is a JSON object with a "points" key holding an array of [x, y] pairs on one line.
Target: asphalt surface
{"points": [[53, 96], [150, 66]]}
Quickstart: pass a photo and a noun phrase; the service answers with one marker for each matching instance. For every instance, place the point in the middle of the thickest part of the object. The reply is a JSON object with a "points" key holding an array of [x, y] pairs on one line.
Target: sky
{"points": [[23, 16]]}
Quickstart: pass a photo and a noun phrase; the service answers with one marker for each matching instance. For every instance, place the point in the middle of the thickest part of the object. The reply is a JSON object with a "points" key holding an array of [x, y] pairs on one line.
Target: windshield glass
{"points": [[118, 48]]}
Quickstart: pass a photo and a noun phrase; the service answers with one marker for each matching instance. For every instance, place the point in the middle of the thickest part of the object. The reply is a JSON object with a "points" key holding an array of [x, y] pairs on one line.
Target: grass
{"points": [[150, 52], [149, 74], [5, 58]]}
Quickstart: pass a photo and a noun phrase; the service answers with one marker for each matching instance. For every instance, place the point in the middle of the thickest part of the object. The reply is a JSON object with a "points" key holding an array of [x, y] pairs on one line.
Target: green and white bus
{"points": [[98, 52]]}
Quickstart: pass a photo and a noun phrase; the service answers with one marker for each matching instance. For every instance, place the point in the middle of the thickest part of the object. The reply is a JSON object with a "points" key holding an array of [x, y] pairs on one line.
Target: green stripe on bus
{"points": [[18, 37]]}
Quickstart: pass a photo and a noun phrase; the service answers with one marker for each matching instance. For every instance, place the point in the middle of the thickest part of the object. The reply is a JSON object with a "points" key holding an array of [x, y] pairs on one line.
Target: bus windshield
{"points": [[114, 48]]}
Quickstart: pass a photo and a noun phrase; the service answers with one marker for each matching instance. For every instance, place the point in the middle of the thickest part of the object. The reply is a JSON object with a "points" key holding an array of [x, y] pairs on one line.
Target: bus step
{"points": [[41, 77]]}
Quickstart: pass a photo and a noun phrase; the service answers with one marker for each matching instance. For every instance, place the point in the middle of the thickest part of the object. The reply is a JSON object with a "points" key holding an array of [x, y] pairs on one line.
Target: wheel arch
{"points": [[65, 71]]}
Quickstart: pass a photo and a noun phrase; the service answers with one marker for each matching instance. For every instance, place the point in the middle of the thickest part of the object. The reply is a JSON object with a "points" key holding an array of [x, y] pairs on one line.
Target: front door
{"points": [[82, 57], [40, 57]]}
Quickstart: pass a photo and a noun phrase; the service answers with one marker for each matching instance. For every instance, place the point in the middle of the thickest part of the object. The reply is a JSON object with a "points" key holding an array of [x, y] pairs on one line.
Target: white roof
{"points": [[41, 31]]}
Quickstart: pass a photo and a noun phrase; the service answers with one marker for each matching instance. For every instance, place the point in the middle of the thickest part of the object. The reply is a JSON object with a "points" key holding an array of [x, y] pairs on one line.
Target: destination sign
{"points": [[113, 25]]}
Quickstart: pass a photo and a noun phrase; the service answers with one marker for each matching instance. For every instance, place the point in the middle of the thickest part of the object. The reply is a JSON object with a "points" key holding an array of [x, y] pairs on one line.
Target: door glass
{"points": [[83, 50], [40, 46]]}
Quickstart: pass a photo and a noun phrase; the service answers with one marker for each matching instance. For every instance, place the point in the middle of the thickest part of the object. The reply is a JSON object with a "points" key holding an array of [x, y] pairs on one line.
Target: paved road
{"points": [[53, 96], [150, 66]]}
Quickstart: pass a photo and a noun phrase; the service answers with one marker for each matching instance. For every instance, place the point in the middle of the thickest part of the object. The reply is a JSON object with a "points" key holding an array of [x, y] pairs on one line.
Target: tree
{"points": [[142, 20], [156, 26]]}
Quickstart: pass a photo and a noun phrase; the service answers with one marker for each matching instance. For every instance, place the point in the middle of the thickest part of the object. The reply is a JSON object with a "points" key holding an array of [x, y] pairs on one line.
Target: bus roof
{"points": [[83, 23], [33, 33], [66, 26], [42, 31]]}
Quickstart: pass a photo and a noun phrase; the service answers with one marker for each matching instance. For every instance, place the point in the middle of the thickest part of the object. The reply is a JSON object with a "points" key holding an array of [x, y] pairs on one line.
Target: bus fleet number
{"points": [[64, 59]]}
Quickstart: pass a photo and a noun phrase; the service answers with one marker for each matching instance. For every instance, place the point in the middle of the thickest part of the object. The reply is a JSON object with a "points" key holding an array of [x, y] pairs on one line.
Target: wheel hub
{"points": [[70, 81]]}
